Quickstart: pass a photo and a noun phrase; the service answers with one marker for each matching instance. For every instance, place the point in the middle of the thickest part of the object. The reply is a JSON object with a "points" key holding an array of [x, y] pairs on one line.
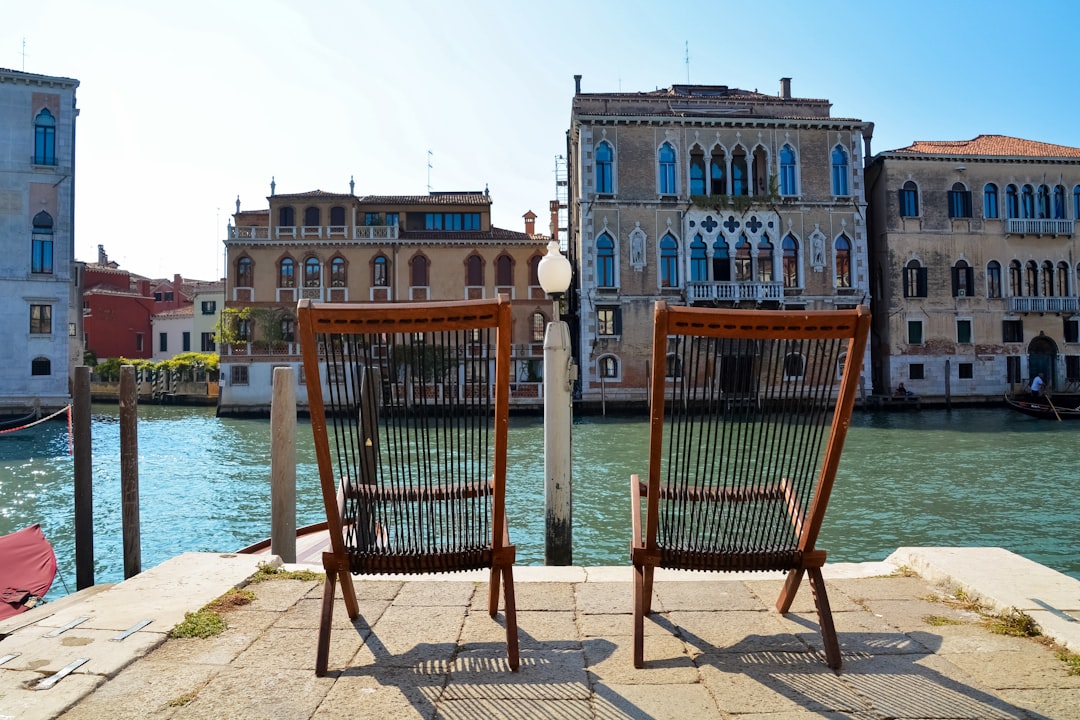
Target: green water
{"points": [[969, 477]]}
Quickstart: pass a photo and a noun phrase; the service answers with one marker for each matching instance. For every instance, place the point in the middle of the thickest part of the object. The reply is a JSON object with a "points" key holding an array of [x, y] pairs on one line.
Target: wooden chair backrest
{"points": [[749, 411], [409, 412]]}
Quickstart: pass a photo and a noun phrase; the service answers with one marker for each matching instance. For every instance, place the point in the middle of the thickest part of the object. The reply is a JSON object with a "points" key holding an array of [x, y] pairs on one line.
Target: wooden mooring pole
{"points": [[129, 471], [84, 479], [283, 465]]}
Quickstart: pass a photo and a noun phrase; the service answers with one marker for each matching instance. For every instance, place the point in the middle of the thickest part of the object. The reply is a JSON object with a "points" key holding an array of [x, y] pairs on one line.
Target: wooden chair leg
{"points": [[511, 618], [639, 617], [493, 590], [787, 594], [825, 619], [646, 589], [352, 606], [322, 654]]}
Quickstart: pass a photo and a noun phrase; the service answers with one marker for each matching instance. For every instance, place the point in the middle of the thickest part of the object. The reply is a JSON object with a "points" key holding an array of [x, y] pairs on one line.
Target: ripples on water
{"points": [[966, 477]]}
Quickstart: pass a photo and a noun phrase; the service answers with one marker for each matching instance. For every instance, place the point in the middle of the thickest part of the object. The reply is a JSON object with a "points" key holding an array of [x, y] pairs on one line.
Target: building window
{"points": [[337, 216], [41, 366], [794, 366], [993, 279], [207, 343], [915, 371], [243, 329], [843, 262], [1063, 280], [787, 171], [338, 275], [1072, 368], [1012, 202], [605, 175], [238, 375], [963, 279], [669, 262], [739, 185], [965, 371], [673, 366], [504, 271], [1027, 202], [288, 329], [839, 171], [959, 201], [1012, 331], [138, 342], [380, 277], [1012, 369], [1016, 279], [990, 201], [45, 139], [721, 261], [744, 270], [312, 217], [697, 171], [666, 161], [41, 250], [717, 179], [699, 261], [914, 332], [312, 272], [474, 270], [608, 321], [914, 280], [41, 319], [163, 342], [1076, 203], [209, 307], [1042, 202], [609, 367], [452, 221], [372, 218], [534, 272], [286, 217], [909, 200], [185, 342], [418, 271], [539, 323], [765, 260], [1031, 278], [245, 272], [790, 249], [1072, 330], [287, 273], [1059, 202], [963, 331], [605, 261]]}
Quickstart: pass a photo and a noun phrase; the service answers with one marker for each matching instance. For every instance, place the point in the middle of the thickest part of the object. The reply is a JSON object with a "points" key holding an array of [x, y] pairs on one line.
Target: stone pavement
{"points": [[426, 648]]}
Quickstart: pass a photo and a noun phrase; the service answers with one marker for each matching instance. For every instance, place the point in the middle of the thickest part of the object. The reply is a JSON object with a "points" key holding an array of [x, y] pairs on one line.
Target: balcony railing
{"points": [[360, 232], [1044, 304], [1043, 226], [735, 291]]}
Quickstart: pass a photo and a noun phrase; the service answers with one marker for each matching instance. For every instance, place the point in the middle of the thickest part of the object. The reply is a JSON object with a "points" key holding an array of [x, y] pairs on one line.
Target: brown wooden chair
{"points": [[409, 411], [749, 410]]}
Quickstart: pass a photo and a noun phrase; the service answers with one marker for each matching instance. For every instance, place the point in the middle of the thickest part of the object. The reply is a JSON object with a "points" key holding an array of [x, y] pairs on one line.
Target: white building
{"points": [[38, 274]]}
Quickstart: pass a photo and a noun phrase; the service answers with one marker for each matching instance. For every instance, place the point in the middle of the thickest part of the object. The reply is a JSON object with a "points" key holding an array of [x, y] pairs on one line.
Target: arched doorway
{"points": [[1042, 358]]}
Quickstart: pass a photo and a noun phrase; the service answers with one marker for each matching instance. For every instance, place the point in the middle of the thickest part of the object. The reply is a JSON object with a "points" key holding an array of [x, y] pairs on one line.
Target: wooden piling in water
{"points": [[129, 470], [283, 465], [84, 479]]}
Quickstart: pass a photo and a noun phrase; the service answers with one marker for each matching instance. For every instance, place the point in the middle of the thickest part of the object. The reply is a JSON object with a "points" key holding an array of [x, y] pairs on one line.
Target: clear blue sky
{"points": [[185, 106]]}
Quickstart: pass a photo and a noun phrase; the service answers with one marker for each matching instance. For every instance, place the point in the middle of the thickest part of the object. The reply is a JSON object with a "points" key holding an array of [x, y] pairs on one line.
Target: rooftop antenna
{"points": [[24, 54], [687, 62], [429, 154]]}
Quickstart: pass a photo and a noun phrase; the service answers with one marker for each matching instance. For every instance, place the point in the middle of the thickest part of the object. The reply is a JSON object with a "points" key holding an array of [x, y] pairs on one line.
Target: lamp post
{"points": [[554, 274]]}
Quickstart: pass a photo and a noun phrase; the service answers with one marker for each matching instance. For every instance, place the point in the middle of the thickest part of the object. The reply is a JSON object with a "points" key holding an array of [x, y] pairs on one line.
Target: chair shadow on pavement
{"points": [[884, 674]]}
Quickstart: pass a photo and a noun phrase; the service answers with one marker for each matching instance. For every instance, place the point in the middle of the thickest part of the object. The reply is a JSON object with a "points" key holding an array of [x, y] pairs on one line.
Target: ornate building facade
{"points": [[703, 194], [976, 266]]}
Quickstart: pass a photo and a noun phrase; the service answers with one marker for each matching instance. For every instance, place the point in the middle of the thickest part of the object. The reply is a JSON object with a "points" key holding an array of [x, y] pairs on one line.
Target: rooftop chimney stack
{"points": [[530, 222], [577, 84], [102, 258], [785, 88]]}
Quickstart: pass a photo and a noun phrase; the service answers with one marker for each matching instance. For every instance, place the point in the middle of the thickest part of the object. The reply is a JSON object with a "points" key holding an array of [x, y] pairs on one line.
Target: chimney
{"points": [[530, 223], [102, 258], [577, 84], [553, 208], [785, 88], [177, 281]]}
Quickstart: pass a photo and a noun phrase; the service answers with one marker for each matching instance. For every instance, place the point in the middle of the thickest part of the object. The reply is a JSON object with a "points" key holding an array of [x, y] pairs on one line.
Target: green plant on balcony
{"points": [[740, 203]]}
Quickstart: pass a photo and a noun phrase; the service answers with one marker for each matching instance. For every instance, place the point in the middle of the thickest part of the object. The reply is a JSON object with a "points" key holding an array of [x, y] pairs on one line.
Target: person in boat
{"points": [[1037, 384]]}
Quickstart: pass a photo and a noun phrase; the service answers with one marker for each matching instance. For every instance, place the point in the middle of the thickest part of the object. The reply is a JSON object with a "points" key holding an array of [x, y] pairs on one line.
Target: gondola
{"points": [[1047, 408], [12, 423]]}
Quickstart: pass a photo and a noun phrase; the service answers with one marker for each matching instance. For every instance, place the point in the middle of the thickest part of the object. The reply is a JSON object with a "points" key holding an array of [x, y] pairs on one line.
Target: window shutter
{"points": [[969, 280], [903, 208], [618, 321], [922, 284], [955, 281]]}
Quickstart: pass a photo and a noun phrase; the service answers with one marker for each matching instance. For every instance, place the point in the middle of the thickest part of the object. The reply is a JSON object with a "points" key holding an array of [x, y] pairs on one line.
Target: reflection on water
{"points": [[968, 477]]}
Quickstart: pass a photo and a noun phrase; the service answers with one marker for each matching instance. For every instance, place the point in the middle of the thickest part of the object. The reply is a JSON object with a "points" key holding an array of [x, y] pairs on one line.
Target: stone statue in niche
{"points": [[817, 250], [637, 247]]}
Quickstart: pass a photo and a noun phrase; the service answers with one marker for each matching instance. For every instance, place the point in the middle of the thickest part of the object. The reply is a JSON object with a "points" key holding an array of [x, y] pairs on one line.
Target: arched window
{"points": [[963, 279], [909, 200], [739, 184], [1059, 202], [312, 272], [697, 171], [605, 176], [504, 271], [1048, 279], [337, 216], [609, 367], [245, 275], [794, 366], [287, 273], [44, 139], [787, 171], [538, 325], [1027, 202], [843, 262], [699, 261], [839, 171], [380, 271], [1012, 202], [993, 279], [534, 272], [790, 247], [311, 216], [605, 261], [41, 244], [666, 163], [765, 260], [1063, 280], [959, 201], [1031, 278], [288, 329], [717, 177], [1016, 279], [1042, 202], [338, 276], [41, 366], [418, 271], [286, 217], [990, 201], [721, 261], [674, 365], [743, 262], [669, 262], [914, 279], [1076, 203], [474, 270]]}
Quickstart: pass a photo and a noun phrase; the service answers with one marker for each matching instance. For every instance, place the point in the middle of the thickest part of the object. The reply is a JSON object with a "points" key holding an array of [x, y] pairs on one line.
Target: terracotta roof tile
{"points": [[992, 145], [448, 198]]}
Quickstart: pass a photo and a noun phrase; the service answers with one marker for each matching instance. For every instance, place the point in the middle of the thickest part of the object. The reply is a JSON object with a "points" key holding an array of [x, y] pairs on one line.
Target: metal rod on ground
{"points": [[558, 548], [283, 466], [129, 471], [84, 479]]}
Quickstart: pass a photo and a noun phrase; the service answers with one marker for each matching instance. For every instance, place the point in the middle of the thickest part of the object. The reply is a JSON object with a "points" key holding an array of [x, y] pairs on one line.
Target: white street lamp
{"points": [[554, 273]]}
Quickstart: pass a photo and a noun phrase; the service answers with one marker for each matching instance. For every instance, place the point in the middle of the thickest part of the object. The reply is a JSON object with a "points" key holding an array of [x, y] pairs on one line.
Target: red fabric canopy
{"points": [[27, 567]]}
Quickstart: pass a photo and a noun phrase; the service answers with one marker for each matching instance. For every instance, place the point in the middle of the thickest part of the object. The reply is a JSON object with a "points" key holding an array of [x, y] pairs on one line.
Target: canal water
{"points": [[964, 477]]}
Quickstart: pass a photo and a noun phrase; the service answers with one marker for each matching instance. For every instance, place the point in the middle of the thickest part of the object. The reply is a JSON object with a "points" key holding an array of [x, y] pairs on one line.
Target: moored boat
{"points": [[1046, 407], [27, 570]]}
